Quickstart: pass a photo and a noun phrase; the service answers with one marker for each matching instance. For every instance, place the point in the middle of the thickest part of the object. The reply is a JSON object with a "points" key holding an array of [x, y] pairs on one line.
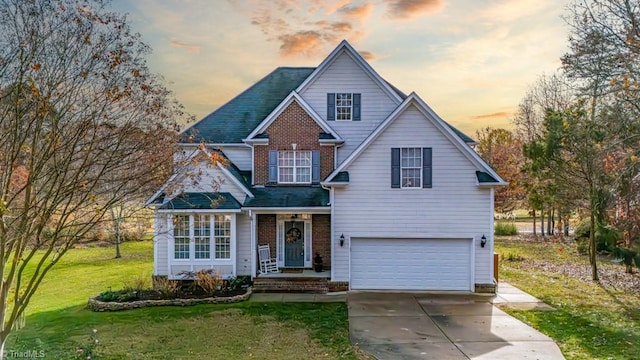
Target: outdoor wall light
{"points": [[341, 240], [483, 241]]}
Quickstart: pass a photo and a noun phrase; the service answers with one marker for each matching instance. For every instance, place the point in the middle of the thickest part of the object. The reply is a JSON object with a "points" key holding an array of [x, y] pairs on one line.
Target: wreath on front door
{"points": [[293, 235]]}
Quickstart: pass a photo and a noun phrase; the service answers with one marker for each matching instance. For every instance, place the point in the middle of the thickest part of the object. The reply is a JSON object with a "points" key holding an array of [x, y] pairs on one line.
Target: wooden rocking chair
{"points": [[267, 263]]}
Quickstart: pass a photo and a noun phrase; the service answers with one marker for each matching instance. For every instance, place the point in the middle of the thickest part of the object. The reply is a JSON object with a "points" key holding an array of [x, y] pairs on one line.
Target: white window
{"points": [[202, 236], [344, 106], [222, 236], [294, 167], [411, 167], [197, 230], [181, 236]]}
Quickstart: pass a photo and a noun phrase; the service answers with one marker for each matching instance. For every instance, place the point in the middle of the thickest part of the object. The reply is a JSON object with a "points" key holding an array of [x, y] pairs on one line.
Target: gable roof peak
{"points": [[360, 61]]}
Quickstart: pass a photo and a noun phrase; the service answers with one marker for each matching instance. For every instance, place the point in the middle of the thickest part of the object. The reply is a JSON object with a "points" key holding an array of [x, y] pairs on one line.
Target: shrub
{"points": [[505, 229], [513, 257], [208, 280], [120, 295], [236, 283], [606, 236], [582, 245], [166, 288], [136, 283]]}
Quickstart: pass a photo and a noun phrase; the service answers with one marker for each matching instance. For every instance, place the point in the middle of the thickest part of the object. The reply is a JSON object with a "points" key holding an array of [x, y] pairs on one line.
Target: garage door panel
{"points": [[410, 264]]}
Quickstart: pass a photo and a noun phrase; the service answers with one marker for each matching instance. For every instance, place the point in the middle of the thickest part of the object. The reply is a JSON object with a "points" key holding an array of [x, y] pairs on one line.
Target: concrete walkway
{"points": [[417, 325]]}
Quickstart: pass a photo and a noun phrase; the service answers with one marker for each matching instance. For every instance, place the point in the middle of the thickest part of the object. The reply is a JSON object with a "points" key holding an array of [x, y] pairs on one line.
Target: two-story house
{"points": [[332, 160]]}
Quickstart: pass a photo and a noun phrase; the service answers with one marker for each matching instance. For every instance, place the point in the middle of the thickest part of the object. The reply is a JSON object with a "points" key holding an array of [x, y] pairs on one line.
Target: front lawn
{"points": [[58, 324], [591, 320]]}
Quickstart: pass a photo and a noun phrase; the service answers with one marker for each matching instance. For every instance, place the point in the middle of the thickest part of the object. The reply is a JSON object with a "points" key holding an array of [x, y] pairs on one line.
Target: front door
{"points": [[294, 243]]}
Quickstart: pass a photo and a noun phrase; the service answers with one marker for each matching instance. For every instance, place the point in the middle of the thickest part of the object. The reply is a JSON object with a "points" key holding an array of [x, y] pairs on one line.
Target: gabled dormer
{"points": [[293, 145]]}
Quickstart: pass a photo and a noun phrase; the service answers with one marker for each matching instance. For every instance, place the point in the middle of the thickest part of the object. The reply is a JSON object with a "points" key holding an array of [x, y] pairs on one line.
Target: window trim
{"points": [[295, 167], [211, 238]]}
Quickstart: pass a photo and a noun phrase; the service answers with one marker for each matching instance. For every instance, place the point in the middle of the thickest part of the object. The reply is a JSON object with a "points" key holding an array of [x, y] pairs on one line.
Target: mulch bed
{"points": [[611, 275]]}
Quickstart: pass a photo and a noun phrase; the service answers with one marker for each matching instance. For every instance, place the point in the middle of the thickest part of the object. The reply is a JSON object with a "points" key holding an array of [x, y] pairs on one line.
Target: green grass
{"points": [[590, 321], [58, 323]]}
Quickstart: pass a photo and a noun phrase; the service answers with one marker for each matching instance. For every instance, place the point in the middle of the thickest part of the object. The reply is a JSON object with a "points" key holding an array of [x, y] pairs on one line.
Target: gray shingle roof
{"points": [[288, 196], [224, 201], [234, 120], [484, 177]]}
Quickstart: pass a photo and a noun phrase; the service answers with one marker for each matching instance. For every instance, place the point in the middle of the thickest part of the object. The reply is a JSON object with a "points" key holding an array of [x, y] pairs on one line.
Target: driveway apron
{"points": [[441, 326]]}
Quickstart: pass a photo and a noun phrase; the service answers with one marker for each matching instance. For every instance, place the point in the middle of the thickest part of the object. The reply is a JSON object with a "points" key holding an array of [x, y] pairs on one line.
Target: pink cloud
{"points": [[496, 115], [356, 11], [193, 49], [301, 42], [367, 55], [407, 9]]}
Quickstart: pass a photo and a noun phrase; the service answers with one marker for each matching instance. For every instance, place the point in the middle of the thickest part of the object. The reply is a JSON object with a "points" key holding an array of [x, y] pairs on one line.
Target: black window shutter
{"points": [[273, 166], [395, 167], [331, 106], [315, 166], [427, 168], [356, 107]]}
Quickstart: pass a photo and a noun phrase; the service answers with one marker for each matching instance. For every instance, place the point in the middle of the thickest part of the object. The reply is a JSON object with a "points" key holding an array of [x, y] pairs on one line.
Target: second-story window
{"points": [[294, 167], [344, 106]]}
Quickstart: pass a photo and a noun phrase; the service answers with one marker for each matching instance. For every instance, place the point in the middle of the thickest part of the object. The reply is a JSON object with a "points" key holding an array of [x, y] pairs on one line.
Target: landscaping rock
{"points": [[97, 305]]}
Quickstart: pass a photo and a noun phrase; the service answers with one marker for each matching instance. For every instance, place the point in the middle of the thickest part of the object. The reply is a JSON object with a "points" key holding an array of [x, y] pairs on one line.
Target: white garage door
{"points": [[411, 264]]}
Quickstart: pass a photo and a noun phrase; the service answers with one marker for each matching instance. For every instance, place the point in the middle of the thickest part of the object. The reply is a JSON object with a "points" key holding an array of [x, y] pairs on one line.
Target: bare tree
{"points": [[84, 125]]}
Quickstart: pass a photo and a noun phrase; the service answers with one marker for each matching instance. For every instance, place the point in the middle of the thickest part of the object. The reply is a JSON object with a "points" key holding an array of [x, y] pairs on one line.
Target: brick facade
{"points": [[267, 232], [293, 126], [320, 232]]}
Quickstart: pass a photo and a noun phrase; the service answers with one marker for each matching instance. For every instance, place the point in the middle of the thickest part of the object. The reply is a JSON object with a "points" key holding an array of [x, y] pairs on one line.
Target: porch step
{"points": [[291, 284]]}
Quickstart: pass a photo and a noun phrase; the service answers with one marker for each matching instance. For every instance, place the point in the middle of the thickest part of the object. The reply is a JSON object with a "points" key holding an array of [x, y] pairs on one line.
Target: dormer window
{"points": [[343, 106]]}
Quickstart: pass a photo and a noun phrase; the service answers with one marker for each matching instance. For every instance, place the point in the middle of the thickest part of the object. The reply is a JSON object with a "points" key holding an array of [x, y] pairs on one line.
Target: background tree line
{"points": [[575, 146]]}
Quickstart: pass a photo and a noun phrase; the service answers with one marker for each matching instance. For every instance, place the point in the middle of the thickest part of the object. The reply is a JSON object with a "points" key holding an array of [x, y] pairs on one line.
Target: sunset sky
{"points": [[470, 60]]}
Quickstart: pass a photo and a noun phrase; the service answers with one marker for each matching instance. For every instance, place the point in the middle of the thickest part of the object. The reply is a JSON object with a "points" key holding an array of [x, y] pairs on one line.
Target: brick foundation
{"points": [[485, 288]]}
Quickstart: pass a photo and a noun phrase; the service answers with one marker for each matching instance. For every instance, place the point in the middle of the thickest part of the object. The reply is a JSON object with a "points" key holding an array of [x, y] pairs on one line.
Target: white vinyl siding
{"points": [[239, 156], [369, 207], [160, 244], [345, 76], [243, 240], [206, 178]]}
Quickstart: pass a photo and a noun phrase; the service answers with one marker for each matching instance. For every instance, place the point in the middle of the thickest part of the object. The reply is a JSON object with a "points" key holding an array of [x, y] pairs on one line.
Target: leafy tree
{"points": [[85, 125], [503, 151]]}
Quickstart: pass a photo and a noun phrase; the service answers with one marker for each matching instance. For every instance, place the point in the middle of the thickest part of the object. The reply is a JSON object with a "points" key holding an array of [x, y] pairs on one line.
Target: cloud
{"points": [[367, 55], [407, 9], [496, 115], [302, 42], [341, 26], [192, 49], [356, 11]]}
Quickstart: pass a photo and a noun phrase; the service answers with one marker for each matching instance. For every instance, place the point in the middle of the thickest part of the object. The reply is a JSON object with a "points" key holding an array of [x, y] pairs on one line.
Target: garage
{"points": [[411, 264]]}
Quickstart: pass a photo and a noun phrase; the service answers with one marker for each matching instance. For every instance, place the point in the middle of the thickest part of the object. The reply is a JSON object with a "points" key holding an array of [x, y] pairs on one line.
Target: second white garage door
{"points": [[410, 264]]}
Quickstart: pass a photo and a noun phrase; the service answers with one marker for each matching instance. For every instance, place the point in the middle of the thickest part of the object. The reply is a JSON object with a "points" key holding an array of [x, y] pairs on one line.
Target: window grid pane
{"points": [[411, 167], [222, 235], [344, 106], [294, 166], [202, 236], [181, 236]]}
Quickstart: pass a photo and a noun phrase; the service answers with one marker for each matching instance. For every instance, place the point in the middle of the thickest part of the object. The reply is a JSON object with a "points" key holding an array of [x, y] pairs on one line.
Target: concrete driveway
{"points": [[442, 326]]}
